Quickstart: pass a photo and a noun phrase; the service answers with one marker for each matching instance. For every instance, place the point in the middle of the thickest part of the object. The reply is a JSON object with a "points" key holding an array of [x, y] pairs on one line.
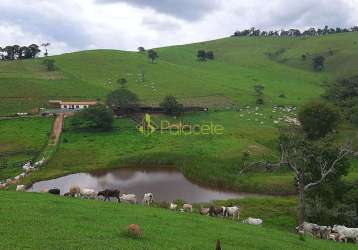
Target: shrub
{"points": [[318, 119], [171, 106]]}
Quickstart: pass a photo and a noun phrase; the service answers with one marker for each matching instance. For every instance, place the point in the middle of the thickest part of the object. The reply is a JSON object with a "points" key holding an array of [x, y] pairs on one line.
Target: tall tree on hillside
{"points": [[311, 163], [122, 99], [259, 89], [318, 119], [9, 52], [152, 55], [34, 50], [45, 45]]}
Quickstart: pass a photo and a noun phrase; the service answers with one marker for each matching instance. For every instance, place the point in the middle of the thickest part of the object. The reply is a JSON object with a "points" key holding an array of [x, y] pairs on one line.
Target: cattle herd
{"points": [[336, 233]]}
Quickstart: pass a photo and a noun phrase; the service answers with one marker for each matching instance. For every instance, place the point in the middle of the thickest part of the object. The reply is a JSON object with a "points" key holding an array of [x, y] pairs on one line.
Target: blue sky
{"points": [[72, 25]]}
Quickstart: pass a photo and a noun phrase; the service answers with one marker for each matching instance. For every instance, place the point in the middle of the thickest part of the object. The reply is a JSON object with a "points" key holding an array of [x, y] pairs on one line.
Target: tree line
{"points": [[295, 32], [16, 52]]}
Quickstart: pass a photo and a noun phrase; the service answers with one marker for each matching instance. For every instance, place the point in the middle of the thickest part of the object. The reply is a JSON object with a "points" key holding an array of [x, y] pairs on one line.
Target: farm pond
{"points": [[167, 184]]}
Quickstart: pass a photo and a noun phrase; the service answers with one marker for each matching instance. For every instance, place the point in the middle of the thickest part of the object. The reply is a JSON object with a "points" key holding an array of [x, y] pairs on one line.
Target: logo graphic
{"points": [[147, 127]]}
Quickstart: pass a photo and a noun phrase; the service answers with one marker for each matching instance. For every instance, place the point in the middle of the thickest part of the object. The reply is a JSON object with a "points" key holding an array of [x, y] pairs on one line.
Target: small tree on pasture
{"points": [[318, 63], [45, 45], [152, 55], [171, 106], [201, 55], [122, 82], [259, 89], [50, 64], [210, 55]]}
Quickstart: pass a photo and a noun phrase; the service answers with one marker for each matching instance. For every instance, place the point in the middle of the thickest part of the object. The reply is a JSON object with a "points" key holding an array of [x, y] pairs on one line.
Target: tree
{"points": [[318, 63], [45, 45], [50, 64], [318, 119], [201, 55], [98, 117], [34, 50], [171, 106], [311, 164], [259, 89], [141, 49], [122, 99], [152, 55], [344, 93], [122, 82], [210, 55]]}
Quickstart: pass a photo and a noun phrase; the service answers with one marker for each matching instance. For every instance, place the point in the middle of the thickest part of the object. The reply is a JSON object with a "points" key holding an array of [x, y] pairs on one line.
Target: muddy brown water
{"points": [[166, 184]]}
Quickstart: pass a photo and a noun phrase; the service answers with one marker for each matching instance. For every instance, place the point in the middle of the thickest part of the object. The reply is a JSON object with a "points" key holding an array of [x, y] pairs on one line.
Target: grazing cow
{"points": [[308, 228], [216, 211], [88, 193], [233, 212], [2, 185], [45, 190], [129, 198], [253, 221], [188, 207], [55, 191], [173, 206], [346, 233], [109, 193], [68, 194], [204, 211], [324, 232], [334, 236], [75, 191], [148, 198], [40, 163], [20, 188]]}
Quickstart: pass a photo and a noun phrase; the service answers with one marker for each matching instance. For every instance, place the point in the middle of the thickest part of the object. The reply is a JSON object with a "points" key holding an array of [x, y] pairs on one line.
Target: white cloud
{"points": [[72, 25]]}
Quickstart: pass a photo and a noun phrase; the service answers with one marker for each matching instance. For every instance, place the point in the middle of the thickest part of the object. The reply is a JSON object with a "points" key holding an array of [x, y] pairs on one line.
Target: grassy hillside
{"points": [[21, 140], [225, 85], [40, 221], [240, 64]]}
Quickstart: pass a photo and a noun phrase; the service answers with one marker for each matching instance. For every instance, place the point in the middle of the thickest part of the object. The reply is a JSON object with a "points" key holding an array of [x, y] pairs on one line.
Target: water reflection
{"points": [[167, 184]]}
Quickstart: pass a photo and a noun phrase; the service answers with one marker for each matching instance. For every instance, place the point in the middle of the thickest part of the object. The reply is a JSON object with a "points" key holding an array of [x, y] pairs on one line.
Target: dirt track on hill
{"points": [[57, 129]]}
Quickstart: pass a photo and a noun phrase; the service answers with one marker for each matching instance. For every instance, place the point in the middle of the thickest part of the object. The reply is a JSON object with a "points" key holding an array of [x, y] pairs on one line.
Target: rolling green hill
{"points": [[40, 221], [225, 85], [240, 64]]}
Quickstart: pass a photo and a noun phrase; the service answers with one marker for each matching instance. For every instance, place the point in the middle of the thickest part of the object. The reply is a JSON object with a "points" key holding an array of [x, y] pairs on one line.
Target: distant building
{"points": [[71, 105]]}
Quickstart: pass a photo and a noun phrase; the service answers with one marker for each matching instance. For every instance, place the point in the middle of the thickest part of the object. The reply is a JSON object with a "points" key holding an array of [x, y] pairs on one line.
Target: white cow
{"points": [[188, 208], [253, 221], [129, 198], [346, 233], [308, 228], [233, 212], [173, 206], [148, 198], [88, 193], [20, 188], [40, 162]]}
